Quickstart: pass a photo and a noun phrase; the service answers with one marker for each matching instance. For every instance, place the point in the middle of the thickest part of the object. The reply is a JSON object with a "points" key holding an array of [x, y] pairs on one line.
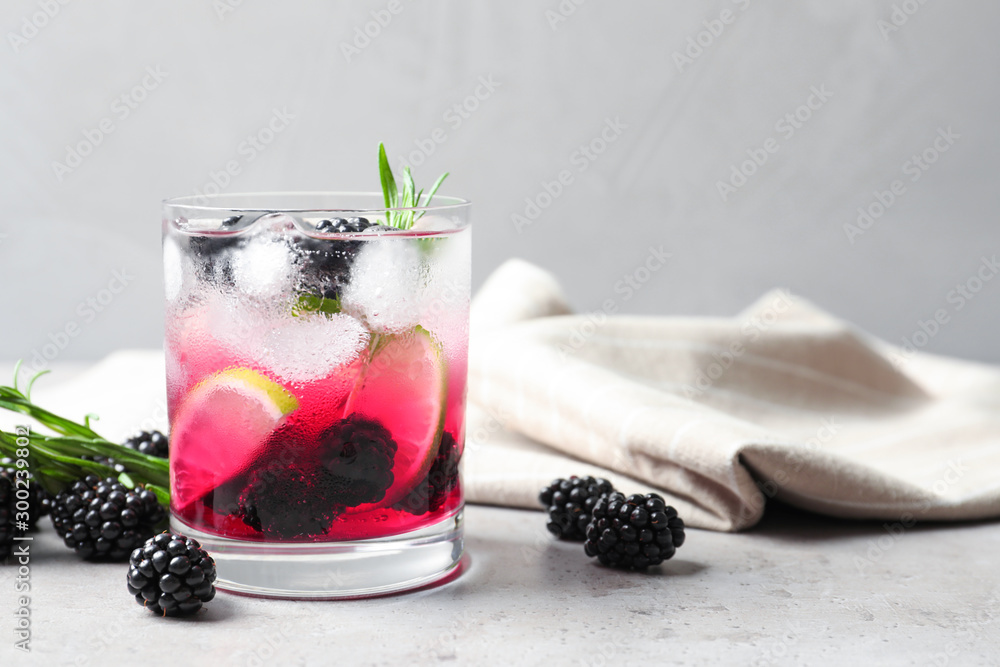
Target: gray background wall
{"points": [[683, 125]]}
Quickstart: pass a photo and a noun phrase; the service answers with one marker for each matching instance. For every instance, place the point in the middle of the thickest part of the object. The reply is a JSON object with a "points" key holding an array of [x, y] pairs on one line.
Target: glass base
{"points": [[334, 570]]}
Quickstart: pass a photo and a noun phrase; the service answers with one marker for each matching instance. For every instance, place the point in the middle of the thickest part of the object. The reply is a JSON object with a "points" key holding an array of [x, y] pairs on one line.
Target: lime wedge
{"points": [[405, 387], [220, 427]]}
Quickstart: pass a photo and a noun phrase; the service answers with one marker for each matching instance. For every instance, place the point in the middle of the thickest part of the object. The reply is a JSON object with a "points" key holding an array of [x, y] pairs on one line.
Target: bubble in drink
{"points": [[311, 346], [264, 266], [386, 284], [316, 384], [173, 269]]}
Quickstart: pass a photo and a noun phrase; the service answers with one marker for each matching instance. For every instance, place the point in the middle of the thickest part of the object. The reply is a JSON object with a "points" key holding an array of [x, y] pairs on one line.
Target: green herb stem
{"points": [[56, 461], [407, 198]]}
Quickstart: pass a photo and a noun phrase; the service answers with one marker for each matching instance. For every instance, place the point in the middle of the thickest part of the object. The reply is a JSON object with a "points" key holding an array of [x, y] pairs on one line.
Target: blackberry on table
{"points": [[569, 503], [431, 493], [288, 503], [634, 532], [105, 460], [38, 502], [358, 454], [8, 526], [151, 443], [102, 520], [171, 575]]}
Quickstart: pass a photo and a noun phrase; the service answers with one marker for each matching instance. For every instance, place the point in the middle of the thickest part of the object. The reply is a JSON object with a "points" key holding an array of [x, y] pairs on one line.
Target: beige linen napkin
{"points": [[716, 414], [719, 414]]}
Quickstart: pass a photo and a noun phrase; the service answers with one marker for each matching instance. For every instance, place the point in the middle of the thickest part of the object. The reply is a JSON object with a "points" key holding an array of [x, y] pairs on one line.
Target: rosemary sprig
{"points": [[55, 462], [407, 198]]}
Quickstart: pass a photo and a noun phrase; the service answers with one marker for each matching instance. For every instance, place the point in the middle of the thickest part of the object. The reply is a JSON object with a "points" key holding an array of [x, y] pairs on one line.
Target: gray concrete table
{"points": [[798, 589]]}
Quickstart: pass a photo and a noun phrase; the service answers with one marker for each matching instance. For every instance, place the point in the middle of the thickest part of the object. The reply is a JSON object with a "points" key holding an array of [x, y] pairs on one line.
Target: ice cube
{"points": [[173, 268], [264, 267], [433, 223], [385, 285], [309, 346], [445, 297], [177, 378], [379, 228], [237, 322]]}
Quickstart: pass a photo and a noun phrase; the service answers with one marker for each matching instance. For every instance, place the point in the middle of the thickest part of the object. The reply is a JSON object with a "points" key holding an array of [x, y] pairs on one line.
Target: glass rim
{"points": [[196, 202]]}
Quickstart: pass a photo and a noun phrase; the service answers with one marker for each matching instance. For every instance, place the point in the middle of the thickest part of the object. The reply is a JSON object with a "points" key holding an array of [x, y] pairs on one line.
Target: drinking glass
{"points": [[316, 364]]}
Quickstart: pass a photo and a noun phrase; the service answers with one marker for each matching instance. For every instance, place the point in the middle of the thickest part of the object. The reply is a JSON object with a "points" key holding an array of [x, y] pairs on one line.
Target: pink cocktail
{"points": [[316, 372]]}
